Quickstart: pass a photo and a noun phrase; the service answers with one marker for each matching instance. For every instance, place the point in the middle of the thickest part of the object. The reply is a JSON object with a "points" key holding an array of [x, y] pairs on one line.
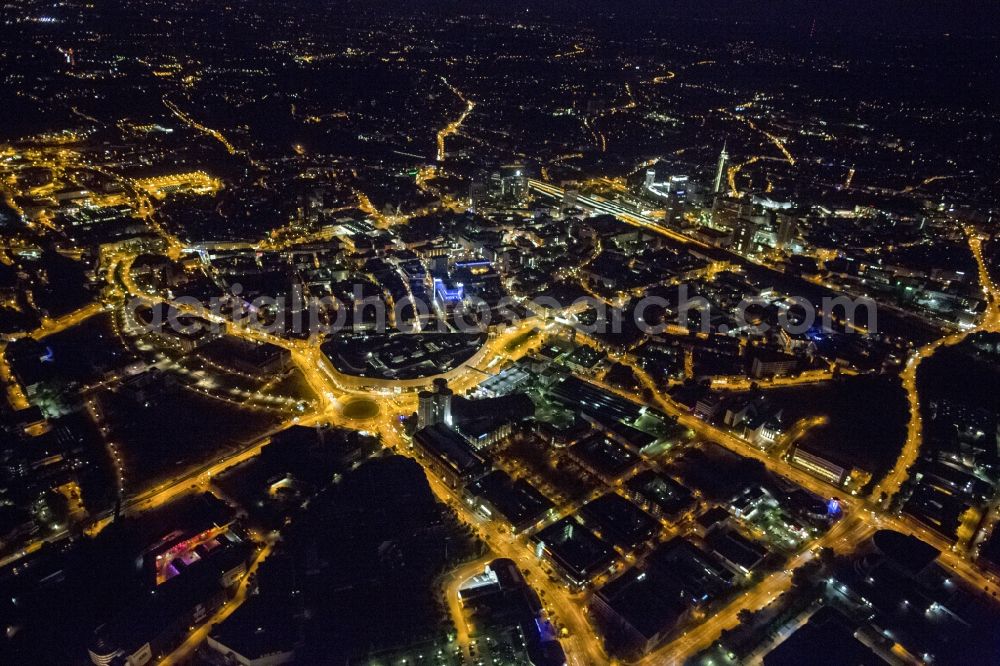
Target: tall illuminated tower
{"points": [[720, 170]]}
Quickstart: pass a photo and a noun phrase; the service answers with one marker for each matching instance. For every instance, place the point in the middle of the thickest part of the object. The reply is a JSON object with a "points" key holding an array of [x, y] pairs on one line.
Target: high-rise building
{"points": [[650, 178], [744, 235], [425, 409], [677, 186], [434, 407], [720, 170], [443, 402], [513, 182], [787, 228], [479, 189]]}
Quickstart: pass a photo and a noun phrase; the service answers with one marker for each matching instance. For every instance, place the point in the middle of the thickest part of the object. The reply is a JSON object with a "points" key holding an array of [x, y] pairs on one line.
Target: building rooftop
{"points": [[450, 449], [701, 574], [661, 491], [648, 601], [477, 418], [604, 455], [575, 548], [827, 639], [737, 550], [518, 501], [576, 394], [712, 517], [619, 520], [907, 552]]}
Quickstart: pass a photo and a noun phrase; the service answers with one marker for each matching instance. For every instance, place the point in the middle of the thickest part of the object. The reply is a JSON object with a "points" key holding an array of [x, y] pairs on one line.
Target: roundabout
{"points": [[360, 409]]}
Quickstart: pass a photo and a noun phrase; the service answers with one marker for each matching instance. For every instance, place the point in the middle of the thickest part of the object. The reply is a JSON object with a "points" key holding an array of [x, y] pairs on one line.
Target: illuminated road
{"points": [[599, 138], [15, 393], [194, 124], [740, 383], [453, 581], [797, 432], [853, 505], [891, 483], [568, 610], [926, 181], [114, 456], [32, 547], [453, 127], [195, 480], [582, 646], [775, 140], [842, 537], [329, 385], [735, 169], [590, 123], [195, 638], [69, 320], [577, 50], [861, 522], [990, 321]]}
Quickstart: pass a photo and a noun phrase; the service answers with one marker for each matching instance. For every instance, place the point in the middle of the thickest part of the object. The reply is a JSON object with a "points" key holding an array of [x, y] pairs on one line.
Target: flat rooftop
{"points": [[518, 501], [574, 393], [649, 601], [450, 449], [619, 520], [604, 455], [661, 491], [701, 574], [577, 550]]}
